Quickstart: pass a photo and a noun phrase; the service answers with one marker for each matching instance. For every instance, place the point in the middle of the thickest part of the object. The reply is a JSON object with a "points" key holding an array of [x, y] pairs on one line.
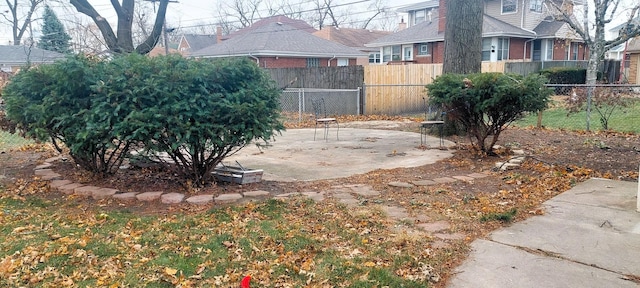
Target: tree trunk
{"points": [[463, 36]]}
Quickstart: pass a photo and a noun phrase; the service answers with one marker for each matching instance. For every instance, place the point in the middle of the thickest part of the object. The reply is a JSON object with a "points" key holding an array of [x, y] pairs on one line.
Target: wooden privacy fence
{"points": [[400, 89]]}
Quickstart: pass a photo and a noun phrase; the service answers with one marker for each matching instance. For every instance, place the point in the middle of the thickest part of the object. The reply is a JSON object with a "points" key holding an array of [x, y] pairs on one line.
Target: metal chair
{"points": [[431, 116], [320, 112]]}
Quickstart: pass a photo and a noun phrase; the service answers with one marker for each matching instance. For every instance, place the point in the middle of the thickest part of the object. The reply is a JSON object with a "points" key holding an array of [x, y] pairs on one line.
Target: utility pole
{"points": [[164, 25]]}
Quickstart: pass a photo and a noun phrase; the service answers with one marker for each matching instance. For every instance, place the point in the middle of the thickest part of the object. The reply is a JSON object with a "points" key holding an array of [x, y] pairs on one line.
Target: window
{"points": [[343, 61], [503, 49], [549, 53], [509, 6], [536, 6], [374, 58], [423, 49], [574, 51], [391, 53], [313, 62], [407, 53], [486, 49], [420, 16]]}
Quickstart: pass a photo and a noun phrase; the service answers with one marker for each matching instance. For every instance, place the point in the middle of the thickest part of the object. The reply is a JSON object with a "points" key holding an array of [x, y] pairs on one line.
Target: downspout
{"points": [[329, 62], [255, 58], [524, 56]]}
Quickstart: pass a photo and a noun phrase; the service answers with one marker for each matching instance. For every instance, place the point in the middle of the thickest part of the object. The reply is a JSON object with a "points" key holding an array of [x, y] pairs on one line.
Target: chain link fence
{"points": [[296, 102]]}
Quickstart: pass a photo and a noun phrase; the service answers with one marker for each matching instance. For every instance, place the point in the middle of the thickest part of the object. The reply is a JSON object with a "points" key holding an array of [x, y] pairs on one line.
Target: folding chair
{"points": [[320, 112], [432, 117]]}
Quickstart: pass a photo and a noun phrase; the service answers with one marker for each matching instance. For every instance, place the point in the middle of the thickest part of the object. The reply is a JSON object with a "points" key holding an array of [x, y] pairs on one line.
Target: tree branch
{"points": [[151, 41]]}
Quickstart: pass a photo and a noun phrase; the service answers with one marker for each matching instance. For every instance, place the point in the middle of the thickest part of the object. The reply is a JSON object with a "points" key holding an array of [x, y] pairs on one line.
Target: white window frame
{"points": [[388, 53], [509, 3], [375, 58], [407, 52], [548, 51], [419, 16], [503, 48], [313, 62], [343, 62], [486, 49], [575, 50], [535, 6], [423, 49]]}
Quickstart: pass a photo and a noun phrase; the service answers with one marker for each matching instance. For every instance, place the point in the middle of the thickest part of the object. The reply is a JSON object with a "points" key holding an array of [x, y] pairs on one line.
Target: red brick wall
{"points": [[516, 48], [559, 50], [442, 14]]}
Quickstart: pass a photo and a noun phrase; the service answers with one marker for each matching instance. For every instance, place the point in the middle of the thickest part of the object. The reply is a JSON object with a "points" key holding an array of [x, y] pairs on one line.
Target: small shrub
{"points": [[504, 217], [565, 75]]}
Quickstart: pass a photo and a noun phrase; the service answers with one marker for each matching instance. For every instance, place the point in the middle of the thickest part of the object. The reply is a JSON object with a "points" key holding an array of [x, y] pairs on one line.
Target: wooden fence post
{"points": [[638, 195]]}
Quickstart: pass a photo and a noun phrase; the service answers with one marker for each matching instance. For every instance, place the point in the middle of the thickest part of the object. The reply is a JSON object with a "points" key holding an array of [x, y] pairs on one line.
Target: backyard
{"points": [[52, 239]]}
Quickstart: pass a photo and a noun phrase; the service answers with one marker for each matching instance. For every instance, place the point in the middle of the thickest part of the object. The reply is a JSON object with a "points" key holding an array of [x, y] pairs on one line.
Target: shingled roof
{"points": [[278, 39], [197, 42], [351, 37], [18, 55]]}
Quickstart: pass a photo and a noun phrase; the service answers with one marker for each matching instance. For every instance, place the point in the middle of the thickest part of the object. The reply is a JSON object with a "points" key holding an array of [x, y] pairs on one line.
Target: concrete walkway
{"points": [[588, 237]]}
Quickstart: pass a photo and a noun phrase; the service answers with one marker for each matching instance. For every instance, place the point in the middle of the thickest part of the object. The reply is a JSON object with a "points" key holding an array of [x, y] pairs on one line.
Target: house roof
{"points": [[419, 6], [278, 39], [197, 42], [634, 45], [350, 37], [19, 55], [295, 23], [427, 31]]}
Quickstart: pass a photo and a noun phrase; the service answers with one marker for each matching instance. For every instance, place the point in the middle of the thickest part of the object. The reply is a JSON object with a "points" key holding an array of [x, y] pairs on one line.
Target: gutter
{"points": [[255, 58]]}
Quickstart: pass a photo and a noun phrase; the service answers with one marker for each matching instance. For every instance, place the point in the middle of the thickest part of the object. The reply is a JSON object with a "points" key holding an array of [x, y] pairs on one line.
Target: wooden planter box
{"points": [[237, 174]]}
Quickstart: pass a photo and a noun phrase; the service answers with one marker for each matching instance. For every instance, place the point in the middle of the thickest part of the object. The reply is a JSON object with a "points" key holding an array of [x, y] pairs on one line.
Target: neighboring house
{"points": [[13, 57], [192, 42], [355, 38], [279, 45], [617, 53], [512, 30], [633, 49]]}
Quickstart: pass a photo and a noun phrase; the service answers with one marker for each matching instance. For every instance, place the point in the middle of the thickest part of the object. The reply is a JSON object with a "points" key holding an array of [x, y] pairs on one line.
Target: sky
{"points": [[190, 13]]}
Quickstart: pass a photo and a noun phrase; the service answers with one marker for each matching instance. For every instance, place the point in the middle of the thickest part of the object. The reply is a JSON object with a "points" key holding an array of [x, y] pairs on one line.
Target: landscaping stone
{"points": [[85, 190], [57, 183], [69, 188], [516, 161], [315, 196], [395, 212], [149, 196], [506, 166], [103, 193], [365, 191], [46, 165], [434, 226], [350, 202], [51, 176], [444, 180], [343, 196], [256, 193], [478, 175], [200, 199], [518, 152], [171, 198], [287, 195], [128, 196], [53, 159], [464, 178], [400, 184], [423, 182], [41, 172], [228, 198]]}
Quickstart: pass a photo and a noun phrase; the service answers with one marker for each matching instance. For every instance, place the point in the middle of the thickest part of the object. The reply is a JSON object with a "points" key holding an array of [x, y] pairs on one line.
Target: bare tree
{"points": [[592, 30], [463, 36], [86, 37], [121, 41], [379, 8], [20, 16]]}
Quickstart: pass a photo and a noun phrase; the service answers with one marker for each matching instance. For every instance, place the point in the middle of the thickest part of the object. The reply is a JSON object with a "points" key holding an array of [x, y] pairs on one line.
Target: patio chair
{"points": [[433, 117], [320, 112]]}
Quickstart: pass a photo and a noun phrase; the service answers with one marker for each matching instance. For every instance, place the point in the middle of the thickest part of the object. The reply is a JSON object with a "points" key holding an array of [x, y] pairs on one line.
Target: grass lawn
{"points": [[623, 119], [295, 243]]}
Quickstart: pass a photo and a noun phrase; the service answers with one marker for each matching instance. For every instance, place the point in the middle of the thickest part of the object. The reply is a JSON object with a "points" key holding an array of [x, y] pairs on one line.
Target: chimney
{"points": [[402, 25], [442, 16], [218, 34]]}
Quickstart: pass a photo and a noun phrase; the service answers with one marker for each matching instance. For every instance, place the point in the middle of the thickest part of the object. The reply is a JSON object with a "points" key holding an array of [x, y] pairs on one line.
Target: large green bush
{"points": [[193, 112], [486, 103]]}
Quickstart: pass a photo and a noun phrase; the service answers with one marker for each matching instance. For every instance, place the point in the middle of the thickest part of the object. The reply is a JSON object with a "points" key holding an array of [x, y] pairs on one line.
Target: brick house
{"points": [[633, 50], [13, 57], [512, 30], [275, 44], [355, 38]]}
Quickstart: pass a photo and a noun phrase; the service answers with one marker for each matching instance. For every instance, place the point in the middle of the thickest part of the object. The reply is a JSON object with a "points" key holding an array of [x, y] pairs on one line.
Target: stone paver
{"points": [[447, 236], [45, 165], [444, 180], [315, 196], [343, 196], [478, 175], [85, 190], [287, 195], [396, 212], [149, 196], [103, 193], [200, 199], [128, 196], [506, 166], [365, 191], [434, 226], [256, 193], [53, 159], [400, 184], [463, 178], [69, 188], [40, 172], [57, 183], [228, 198], [350, 202], [51, 176], [423, 182], [172, 198]]}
